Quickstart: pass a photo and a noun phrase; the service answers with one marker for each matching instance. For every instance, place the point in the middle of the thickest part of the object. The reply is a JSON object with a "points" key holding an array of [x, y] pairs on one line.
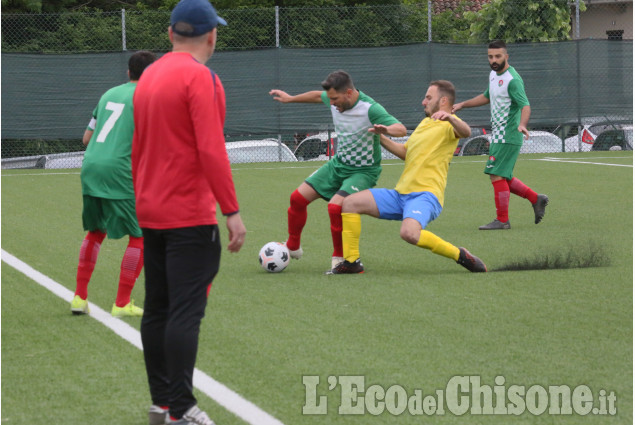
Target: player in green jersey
{"points": [[108, 194], [510, 113], [354, 168]]}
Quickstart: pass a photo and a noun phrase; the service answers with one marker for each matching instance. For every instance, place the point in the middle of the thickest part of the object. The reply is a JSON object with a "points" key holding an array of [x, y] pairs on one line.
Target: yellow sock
{"points": [[437, 245], [351, 229]]}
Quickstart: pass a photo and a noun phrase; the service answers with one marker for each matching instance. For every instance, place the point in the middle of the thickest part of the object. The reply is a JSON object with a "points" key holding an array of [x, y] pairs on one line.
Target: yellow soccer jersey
{"points": [[429, 151]]}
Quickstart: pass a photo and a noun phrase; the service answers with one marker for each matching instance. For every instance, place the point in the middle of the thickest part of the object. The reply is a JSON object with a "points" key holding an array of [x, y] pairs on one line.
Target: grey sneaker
{"points": [[194, 416], [158, 416], [539, 207], [470, 261], [496, 225]]}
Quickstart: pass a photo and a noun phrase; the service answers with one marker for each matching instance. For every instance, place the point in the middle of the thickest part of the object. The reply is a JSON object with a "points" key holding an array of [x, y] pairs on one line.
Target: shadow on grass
{"points": [[574, 258]]}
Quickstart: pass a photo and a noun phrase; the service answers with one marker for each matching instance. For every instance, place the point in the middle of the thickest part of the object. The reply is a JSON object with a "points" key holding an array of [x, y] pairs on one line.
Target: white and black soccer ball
{"points": [[274, 257]]}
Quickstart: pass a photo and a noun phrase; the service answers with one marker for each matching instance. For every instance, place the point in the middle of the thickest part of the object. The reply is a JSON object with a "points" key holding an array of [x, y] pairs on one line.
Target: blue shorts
{"points": [[421, 206]]}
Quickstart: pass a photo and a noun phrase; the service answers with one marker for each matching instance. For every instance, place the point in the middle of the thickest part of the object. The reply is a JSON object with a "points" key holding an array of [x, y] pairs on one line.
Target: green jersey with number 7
{"points": [[106, 169]]}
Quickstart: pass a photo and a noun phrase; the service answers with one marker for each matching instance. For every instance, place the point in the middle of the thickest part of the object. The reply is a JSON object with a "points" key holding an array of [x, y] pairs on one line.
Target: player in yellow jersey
{"points": [[418, 197]]}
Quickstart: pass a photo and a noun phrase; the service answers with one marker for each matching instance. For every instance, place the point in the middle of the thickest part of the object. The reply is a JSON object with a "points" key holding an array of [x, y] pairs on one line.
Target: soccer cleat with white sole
{"points": [[79, 306], [128, 310]]}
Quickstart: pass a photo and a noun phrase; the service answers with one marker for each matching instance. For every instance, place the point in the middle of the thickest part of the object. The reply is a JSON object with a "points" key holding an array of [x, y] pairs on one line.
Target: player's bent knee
{"points": [[410, 235], [354, 204]]}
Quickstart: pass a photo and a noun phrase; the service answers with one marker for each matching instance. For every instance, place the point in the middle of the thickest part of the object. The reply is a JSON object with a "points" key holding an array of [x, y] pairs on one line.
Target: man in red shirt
{"points": [[180, 171]]}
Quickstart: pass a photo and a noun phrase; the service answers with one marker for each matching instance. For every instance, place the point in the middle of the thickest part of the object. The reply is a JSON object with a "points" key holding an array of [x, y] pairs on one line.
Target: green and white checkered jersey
{"points": [[356, 146], [506, 93], [107, 169]]}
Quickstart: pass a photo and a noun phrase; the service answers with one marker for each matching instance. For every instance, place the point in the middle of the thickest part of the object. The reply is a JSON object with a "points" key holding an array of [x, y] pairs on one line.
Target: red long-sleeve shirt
{"points": [[180, 167]]}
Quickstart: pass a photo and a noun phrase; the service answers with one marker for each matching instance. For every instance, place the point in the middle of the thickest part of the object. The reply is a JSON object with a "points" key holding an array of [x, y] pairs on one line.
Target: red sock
{"points": [[501, 199], [87, 259], [297, 219], [335, 214], [519, 188], [131, 266], [209, 288]]}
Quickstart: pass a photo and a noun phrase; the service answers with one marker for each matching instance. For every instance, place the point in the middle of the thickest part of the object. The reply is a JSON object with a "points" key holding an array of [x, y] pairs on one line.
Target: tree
{"points": [[535, 20]]}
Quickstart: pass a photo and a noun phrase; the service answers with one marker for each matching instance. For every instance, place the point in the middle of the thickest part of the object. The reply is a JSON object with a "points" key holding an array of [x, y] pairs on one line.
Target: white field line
{"points": [[316, 164], [224, 396], [571, 161]]}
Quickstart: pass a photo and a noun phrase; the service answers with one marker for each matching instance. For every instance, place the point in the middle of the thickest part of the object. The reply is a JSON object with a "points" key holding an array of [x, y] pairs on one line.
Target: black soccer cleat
{"points": [[539, 207], [471, 262], [346, 267]]}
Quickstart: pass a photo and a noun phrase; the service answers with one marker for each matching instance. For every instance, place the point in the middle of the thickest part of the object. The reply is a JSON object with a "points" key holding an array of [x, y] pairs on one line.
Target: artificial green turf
{"points": [[413, 319]]}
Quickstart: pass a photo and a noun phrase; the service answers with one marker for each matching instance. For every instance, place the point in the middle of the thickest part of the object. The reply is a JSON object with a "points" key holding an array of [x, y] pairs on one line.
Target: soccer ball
{"points": [[274, 257]]}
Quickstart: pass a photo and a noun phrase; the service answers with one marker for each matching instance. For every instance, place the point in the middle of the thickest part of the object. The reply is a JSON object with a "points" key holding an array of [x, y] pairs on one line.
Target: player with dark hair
{"points": [[418, 197], [181, 171], [108, 195], [355, 167], [510, 112]]}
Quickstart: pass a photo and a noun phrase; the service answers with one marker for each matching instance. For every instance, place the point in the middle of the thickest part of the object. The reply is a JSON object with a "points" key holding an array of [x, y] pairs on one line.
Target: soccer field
{"points": [[413, 324]]}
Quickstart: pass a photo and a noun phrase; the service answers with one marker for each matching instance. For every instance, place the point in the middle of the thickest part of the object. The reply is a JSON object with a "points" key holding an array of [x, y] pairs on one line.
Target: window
{"points": [[615, 34]]}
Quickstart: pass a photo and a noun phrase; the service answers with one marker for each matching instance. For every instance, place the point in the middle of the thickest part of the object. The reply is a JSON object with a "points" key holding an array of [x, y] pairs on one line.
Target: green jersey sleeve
{"points": [[486, 94], [517, 93], [325, 99], [378, 115]]}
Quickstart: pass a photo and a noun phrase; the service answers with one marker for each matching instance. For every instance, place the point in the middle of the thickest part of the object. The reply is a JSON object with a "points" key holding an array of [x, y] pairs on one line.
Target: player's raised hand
{"points": [[280, 96], [379, 129]]}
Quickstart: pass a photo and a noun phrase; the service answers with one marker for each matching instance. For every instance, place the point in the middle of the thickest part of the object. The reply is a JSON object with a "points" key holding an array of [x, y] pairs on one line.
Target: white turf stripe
{"points": [[316, 164], [224, 396], [564, 160]]}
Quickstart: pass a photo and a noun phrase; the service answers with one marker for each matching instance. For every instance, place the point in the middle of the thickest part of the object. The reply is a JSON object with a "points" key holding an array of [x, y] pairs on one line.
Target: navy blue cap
{"points": [[191, 18]]}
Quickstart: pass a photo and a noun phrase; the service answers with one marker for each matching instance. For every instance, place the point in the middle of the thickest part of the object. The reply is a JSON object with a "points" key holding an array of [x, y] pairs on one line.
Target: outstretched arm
{"points": [[397, 149], [479, 100], [307, 97], [394, 130]]}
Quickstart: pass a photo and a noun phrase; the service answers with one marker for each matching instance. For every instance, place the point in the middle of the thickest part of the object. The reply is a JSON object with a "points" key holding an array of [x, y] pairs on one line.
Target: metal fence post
{"points": [[430, 21], [123, 29], [577, 19], [277, 26], [277, 9]]}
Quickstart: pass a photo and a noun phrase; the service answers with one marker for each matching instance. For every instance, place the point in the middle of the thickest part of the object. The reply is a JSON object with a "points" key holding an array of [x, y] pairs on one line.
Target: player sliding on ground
{"points": [[357, 163], [418, 197]]}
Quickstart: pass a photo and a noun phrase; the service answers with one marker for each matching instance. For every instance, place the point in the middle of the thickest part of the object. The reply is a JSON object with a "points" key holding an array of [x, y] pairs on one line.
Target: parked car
{"points": [[317, 147], [614, 139], [542, 142], [580, 139], [538, 142], [475, 131], [265, 150], [477, 145], [321, 147]]}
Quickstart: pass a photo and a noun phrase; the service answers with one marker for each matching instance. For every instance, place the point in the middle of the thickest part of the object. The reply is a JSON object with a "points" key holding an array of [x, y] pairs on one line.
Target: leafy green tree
{"points": [[535, 20]]}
